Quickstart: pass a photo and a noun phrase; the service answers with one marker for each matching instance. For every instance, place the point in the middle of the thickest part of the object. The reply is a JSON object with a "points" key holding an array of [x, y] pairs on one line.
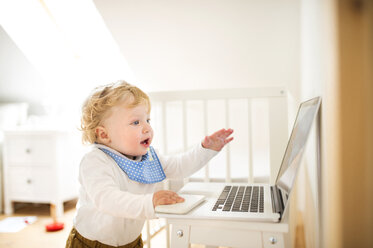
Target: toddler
{"points": [[118, 177]]}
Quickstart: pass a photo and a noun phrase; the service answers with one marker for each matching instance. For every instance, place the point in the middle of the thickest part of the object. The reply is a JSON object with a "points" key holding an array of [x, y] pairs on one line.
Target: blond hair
{"points": [[102, 99]]}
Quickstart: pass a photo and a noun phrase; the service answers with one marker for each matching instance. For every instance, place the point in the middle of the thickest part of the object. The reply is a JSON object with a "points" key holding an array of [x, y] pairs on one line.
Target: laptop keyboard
{"points": [[241, 199]]}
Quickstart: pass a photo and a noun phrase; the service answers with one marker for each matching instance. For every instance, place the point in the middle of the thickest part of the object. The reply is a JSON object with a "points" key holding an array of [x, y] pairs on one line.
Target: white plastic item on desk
{"points": [[190, 202]]}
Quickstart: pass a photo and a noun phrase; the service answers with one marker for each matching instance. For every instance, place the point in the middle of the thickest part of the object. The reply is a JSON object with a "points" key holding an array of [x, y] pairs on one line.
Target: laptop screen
{"points": [[294, 151]]}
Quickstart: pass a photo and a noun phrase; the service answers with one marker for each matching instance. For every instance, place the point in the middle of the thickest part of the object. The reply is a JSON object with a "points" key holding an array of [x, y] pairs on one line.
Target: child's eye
{"points": [[136, 122], [148, 120]]}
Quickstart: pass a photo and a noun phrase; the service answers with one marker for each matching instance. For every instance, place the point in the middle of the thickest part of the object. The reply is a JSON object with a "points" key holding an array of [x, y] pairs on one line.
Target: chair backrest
{"points": [[259, 117]]}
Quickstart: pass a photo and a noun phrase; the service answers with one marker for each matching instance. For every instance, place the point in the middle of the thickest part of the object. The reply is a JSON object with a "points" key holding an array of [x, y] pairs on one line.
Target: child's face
{"points": [[128, 129]]}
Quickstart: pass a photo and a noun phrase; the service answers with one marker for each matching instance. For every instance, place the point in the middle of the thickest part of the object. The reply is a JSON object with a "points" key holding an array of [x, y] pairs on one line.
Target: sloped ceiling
{"points": [[204, 44]]}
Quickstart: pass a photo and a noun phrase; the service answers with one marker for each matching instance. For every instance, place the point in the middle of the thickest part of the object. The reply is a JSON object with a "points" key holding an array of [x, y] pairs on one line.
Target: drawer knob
{"points": [[29, 181], [272, 240], [28, 150], [179, 233]]}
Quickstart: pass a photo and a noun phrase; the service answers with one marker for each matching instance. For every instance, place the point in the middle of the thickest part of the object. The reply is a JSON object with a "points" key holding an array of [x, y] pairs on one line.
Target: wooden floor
{"points": [[35, 236]]}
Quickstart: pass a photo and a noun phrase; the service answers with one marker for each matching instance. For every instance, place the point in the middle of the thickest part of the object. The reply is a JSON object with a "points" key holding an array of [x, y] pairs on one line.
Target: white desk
{"points": [[195, 228]]}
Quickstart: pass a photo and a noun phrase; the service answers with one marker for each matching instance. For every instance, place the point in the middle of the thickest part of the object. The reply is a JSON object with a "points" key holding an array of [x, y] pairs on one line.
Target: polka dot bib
{"points": [[148, 170]]}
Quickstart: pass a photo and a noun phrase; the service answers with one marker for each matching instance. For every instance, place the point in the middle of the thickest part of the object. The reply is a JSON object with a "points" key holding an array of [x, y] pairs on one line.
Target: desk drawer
{"points": [[273, 240], [225, 237], [30, 150]]}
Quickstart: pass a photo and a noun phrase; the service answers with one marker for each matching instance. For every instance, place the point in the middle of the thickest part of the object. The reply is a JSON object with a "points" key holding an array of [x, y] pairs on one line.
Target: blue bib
{"points": [[148, 170]]}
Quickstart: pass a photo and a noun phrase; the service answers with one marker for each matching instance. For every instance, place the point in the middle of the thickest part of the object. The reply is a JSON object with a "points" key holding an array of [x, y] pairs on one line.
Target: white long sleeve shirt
{"points": [[112, 208]]}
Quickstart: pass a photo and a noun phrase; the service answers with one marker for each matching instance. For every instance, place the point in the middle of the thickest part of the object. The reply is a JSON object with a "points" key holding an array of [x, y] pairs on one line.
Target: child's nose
{"points": [[146, 128]]}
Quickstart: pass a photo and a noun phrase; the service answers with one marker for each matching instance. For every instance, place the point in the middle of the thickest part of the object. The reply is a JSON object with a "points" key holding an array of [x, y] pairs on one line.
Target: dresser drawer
{"points": [[31, 184], [30, 150]]}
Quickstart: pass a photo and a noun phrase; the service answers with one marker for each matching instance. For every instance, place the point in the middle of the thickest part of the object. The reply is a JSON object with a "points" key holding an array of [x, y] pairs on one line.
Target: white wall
{"points": [[207, 44], [19, 80], [311, 76], [185, 45], [317, 54]]}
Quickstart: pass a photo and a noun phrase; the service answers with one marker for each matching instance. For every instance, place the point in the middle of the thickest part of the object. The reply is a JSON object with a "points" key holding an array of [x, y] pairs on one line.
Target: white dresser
{"points": [[40, 166]]}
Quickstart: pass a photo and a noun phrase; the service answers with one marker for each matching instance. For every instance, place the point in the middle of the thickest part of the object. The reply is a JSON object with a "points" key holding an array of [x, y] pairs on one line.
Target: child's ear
{"points": [[102, 135]]}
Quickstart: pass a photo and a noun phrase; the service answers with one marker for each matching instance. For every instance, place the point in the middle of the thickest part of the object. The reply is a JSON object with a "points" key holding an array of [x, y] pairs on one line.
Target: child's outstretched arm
{"points": [[218, 140], [185, 164]]}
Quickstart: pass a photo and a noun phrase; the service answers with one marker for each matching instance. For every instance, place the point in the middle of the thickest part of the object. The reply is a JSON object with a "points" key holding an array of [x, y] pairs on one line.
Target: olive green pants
{"points": [[76, 240]]}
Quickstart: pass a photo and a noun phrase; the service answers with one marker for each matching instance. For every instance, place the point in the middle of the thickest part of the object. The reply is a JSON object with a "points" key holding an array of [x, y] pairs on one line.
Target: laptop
{"points": [[250, 202]]}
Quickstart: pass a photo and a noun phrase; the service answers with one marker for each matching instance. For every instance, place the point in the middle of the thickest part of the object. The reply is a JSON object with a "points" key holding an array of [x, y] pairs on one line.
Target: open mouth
{"points": [[145, 142]]}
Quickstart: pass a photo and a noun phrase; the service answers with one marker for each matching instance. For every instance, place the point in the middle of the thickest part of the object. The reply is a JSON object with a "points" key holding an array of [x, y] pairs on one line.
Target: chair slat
{"points": [[250, 143], [205, 130], [278, 133], [228, 177]]}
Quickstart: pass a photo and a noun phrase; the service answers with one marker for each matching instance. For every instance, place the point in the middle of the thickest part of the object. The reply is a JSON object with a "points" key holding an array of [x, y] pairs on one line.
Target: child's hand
{"points": [[217, 140], [166, 197]]}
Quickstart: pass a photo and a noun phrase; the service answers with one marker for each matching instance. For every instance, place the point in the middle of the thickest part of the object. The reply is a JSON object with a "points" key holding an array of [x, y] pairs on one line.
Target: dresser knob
{"points": [[29, 181], [272, 240], [179, 233], [28, 150]]}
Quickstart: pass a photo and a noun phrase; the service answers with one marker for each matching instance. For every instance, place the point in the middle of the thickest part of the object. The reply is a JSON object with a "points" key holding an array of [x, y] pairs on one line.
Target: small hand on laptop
{"points": [[166, 197], [189, 202]]}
